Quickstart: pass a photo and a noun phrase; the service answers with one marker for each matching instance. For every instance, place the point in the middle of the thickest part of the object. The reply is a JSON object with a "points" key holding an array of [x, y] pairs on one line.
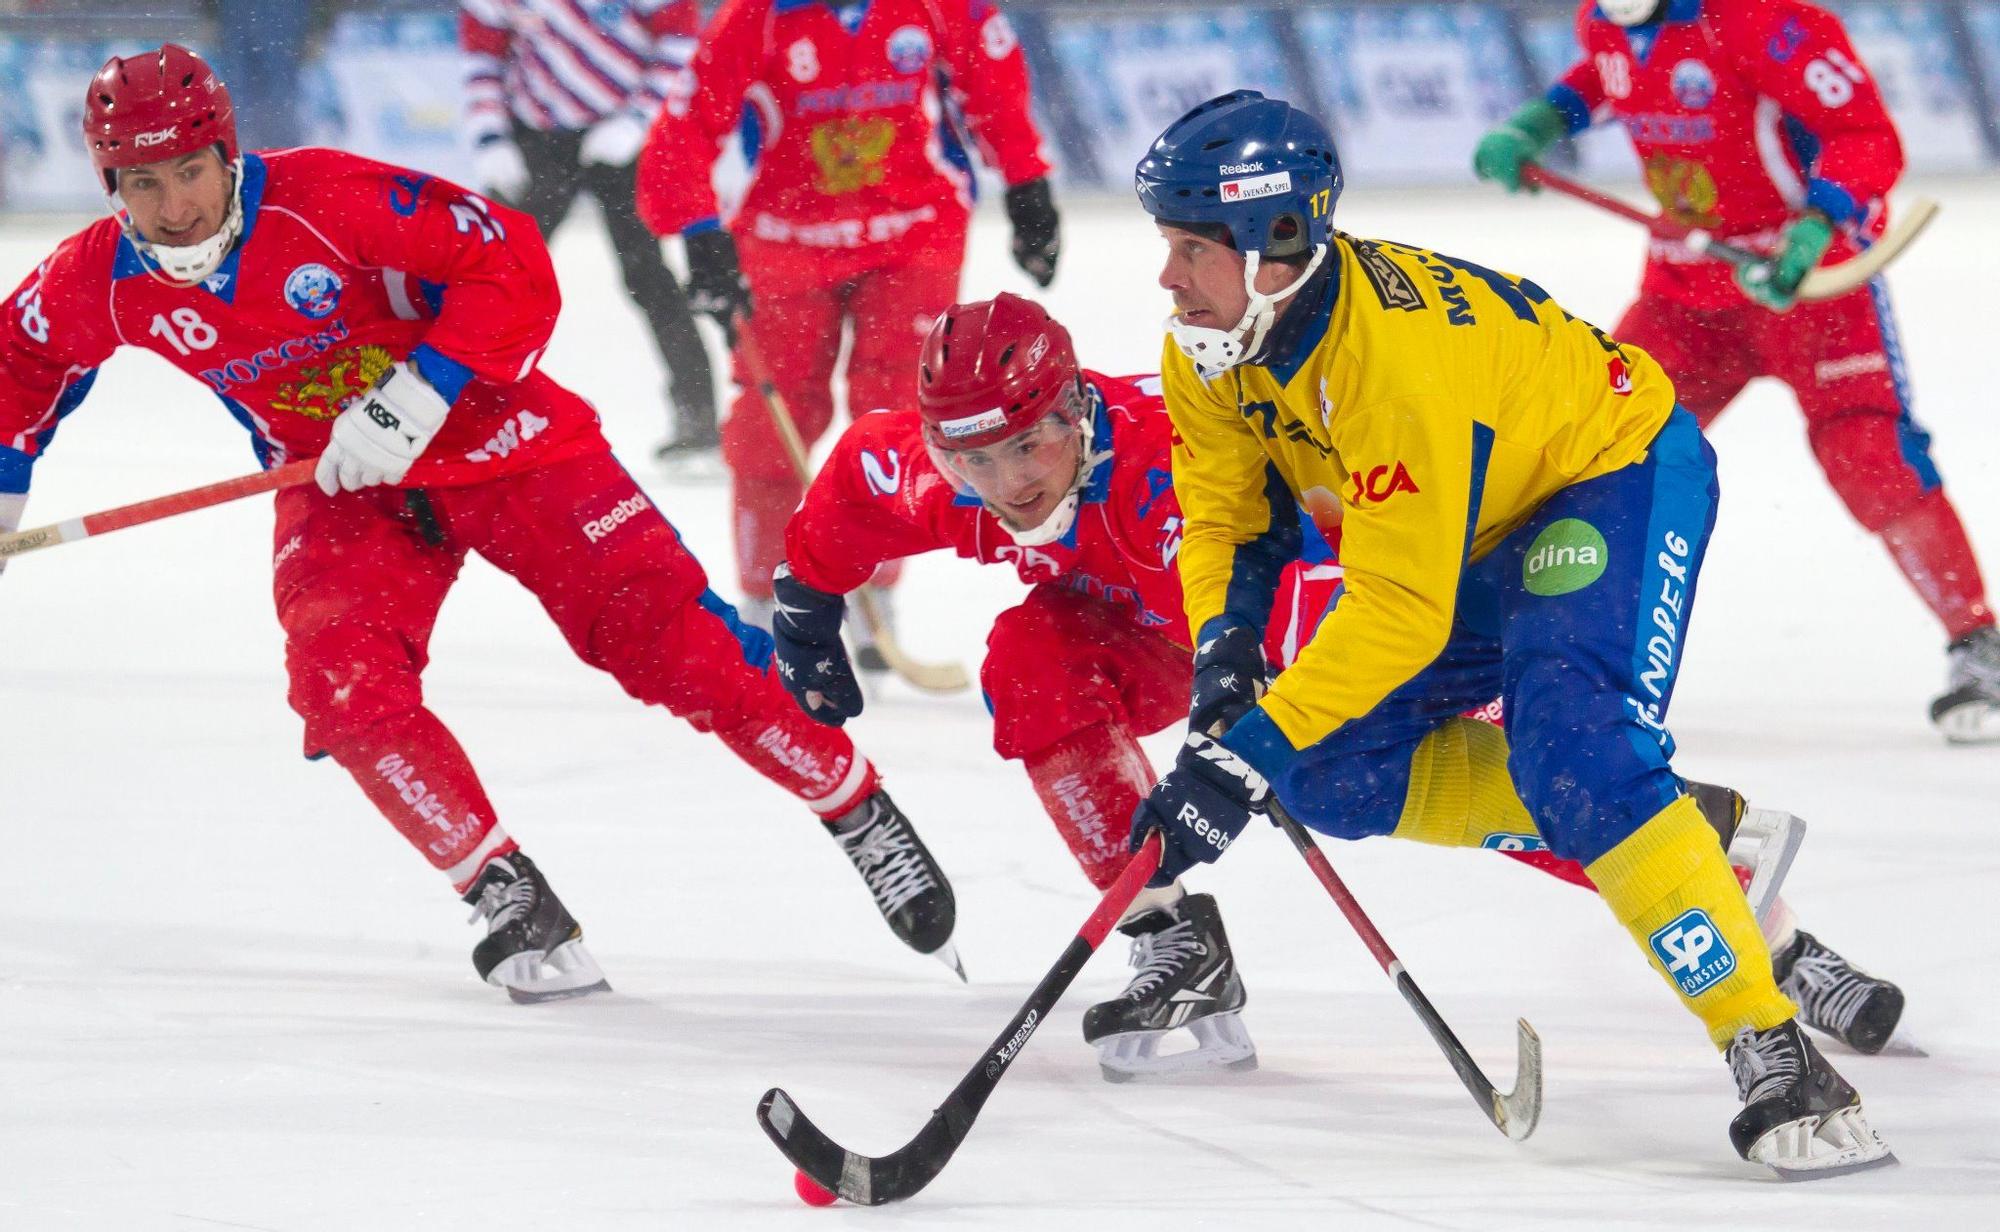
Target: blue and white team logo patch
{"points": [[1692, 950], [313, 290], [1693, 84], [1513, 842], [909, 49]]}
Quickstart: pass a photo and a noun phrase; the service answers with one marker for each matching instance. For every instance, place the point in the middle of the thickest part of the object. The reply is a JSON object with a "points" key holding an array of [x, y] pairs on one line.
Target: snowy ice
{"points": [[232, 997]]}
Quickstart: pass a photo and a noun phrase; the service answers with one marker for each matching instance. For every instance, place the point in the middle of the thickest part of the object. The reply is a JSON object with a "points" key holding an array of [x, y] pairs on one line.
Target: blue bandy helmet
{"points": [[1263, 171]]}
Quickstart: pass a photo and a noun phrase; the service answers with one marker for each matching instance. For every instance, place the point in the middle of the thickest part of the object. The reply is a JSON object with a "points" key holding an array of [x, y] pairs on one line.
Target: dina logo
{"points": [[1566, 557], [313, 290], [1693, 952]]}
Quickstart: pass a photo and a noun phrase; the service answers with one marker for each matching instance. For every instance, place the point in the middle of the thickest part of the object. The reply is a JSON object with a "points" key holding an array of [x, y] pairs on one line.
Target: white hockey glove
{"points": [[613, 141], [11, 506], [500, 169], [381, 433]]}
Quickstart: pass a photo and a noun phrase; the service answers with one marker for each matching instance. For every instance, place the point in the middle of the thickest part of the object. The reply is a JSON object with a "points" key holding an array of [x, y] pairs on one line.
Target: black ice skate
{"points": [[910, 889], [1800, 1119], [1183, 975], [533, 947], [1969, 710], [1836, 997]]}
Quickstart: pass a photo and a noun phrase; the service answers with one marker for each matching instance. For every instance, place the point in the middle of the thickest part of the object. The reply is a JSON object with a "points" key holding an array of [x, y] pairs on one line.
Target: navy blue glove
{"points": [[1228, 676], [1200, 807], [812, 662]]}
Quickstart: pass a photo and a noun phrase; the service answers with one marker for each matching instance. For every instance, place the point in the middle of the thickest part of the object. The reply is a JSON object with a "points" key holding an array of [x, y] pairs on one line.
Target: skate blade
{"points": [[1968, 722], [1816, 1148], [948, 955], [1766, 842], [1220, 1043], [532, 977]]}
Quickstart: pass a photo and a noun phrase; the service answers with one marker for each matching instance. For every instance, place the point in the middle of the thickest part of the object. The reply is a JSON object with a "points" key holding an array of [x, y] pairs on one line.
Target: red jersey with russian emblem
{"points": [[1743, 114], [849, 116], [880, 497], [345, 267]]}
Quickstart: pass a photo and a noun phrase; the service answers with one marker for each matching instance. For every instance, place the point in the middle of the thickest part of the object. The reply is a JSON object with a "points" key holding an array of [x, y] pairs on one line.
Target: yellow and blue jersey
{"points": [[1441, 403]]}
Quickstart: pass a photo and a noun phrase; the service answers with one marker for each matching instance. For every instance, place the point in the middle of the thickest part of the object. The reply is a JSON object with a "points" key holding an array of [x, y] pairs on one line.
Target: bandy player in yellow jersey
{"points": [[1524, 513]]}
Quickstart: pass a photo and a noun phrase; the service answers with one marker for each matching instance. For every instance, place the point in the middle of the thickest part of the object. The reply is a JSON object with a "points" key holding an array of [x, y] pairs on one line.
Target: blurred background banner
{"points": [[1407, 87]]}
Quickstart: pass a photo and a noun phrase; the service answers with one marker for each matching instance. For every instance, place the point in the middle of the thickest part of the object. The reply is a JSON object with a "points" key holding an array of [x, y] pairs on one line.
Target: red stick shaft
{"points": [[1138, 871], [1666, 228], [288, 475]]}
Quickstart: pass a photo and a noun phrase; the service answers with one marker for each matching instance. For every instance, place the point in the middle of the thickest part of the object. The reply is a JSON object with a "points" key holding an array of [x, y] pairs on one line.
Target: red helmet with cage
{"points": [[155, 106], [993, 368]]}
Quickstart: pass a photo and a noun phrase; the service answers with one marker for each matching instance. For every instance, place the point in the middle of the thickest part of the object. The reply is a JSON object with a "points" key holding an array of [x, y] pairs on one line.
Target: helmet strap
{"points": [[1063, 516], [1215, 351], [184, 267]]}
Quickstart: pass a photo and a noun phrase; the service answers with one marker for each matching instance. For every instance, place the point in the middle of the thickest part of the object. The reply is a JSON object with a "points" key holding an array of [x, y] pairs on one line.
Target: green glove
{"points": [[1775, 283], [1517, 140]]}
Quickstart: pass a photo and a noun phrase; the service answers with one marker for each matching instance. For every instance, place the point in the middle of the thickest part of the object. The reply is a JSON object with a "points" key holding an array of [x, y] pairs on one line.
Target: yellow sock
{"points": [[1672, 888], [1461, 794]]}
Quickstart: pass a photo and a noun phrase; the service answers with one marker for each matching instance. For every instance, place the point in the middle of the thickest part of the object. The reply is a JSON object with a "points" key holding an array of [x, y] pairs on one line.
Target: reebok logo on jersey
{"points": [[1692, 950], [1272, 185], [624, 511], [1566, 557]]}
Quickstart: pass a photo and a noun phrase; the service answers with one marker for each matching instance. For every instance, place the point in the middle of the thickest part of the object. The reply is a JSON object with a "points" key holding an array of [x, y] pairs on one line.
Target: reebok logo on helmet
{"points": [[157, 137], [1253, 187]]}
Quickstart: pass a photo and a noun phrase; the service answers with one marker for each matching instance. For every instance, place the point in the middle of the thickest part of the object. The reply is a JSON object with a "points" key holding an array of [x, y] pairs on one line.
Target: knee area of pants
{"points": [[1022, 630], [1861, 453]]}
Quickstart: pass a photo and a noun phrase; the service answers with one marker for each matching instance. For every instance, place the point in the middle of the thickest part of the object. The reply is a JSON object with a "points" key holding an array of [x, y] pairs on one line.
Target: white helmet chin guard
{"points": [[1216, 351], [187, 265]]}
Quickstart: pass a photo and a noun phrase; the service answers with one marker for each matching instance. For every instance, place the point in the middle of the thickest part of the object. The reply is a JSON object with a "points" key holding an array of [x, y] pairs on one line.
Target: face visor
{"points": [[1030, 481]]}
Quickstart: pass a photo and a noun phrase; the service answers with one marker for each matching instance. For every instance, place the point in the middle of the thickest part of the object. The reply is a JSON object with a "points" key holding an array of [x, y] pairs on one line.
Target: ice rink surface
{"points": [[232, 997]]}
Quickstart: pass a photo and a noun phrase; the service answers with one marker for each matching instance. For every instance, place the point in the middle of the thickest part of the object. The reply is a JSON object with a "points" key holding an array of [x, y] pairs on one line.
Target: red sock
{"points": [[1091, 783], [1928, 544], [816, 763], [413, 770]]}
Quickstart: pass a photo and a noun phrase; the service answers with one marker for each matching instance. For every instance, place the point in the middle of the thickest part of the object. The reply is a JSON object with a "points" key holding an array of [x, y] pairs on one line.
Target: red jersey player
{"points": [[856, 212], [1019, 457], [389, 323], [1756, 121]]}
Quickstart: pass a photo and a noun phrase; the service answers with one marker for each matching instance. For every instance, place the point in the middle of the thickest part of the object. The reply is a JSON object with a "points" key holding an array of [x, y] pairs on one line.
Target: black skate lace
{"points": [[504, 902], [1763, 1066], [1830, 992], [887, 859], [1155, 956]]}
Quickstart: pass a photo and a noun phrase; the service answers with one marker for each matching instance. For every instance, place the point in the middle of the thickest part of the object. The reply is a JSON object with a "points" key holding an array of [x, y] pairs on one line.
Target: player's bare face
{"points": [[180, 201], [1205, 278], [1025, 477]]}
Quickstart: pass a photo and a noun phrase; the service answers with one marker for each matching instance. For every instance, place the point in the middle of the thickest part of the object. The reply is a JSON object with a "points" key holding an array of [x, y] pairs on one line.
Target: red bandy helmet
{"points": [[162, 105], [154, 106], [1006, 416]]}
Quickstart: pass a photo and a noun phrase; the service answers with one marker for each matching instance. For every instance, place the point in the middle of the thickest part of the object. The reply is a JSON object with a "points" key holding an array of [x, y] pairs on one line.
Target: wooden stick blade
{"points": [[1833, 281]]}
